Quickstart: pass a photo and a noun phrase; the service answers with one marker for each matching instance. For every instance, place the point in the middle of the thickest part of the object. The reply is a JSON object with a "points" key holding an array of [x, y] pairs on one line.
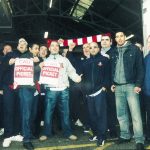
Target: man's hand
{"points": [[79, 78], [36, 60], [137, 90], [103, 88], [12, 61], [113, 88], [60, 41]]}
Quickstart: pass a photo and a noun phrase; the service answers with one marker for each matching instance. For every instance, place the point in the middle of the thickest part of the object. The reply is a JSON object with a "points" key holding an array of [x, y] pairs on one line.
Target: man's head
{"points": [[106, 41], [94, 49], [86, 49], [22, 45], [54, 47], [43, 51], [6, 49], [34, 49], [120, 38]]}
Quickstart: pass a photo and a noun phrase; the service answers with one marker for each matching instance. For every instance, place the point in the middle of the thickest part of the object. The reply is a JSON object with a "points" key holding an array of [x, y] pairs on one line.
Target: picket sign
{"points": [[50, 73], [23, 72]]}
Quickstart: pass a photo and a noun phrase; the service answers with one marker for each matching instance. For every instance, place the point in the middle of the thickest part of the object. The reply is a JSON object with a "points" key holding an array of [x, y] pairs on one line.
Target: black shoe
{"points": [[121, 140], [100, 142], [147, 139], [28, 145], [113, 135], [139, 146], [93, 138]]}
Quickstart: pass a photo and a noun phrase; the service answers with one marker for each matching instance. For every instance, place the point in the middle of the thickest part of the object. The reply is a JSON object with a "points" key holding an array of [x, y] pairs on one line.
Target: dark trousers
{"points": [[111, 112], [39, 116], [147, 109], [98, 114], [1, 112], [76, 101], [78, 105], [11, 109]]}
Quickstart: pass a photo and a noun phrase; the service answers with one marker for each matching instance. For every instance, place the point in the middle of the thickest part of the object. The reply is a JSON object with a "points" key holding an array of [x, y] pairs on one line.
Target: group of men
{"points": [[98, 74]]}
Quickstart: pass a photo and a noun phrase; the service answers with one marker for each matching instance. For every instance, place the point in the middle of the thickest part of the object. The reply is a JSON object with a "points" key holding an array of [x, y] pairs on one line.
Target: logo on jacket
{"points": [[100, 64]]}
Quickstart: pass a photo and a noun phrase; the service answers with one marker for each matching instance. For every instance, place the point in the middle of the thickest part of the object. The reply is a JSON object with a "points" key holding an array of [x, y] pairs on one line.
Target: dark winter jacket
{"points": [[133, 64]]}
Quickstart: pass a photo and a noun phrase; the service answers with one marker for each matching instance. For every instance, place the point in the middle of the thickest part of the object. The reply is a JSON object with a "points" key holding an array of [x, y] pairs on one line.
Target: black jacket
{"points": [[133, 64], [95, 73]]}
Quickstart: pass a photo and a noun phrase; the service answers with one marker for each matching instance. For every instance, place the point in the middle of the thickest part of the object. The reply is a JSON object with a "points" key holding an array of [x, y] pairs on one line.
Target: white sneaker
{"points": [[17, 138], [7, 142], [78, 123], [1, 131]]}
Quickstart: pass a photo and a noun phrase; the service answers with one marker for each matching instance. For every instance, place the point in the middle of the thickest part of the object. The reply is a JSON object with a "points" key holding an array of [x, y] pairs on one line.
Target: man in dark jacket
{"points": [[78, 104], [96, 80], [26, 92], [106, 51], [127, 76], [146, 89], [6, 49]]}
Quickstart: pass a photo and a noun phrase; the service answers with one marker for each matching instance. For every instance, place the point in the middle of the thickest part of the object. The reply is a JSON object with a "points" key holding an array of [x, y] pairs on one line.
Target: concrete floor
{"points": [[57, 142]]}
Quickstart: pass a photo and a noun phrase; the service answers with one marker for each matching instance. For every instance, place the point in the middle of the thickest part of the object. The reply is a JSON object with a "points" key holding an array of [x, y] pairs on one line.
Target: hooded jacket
{"points": [[132, 62]]}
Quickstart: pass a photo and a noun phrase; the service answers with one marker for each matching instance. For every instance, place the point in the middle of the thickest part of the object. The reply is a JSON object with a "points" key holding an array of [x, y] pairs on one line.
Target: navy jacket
{"points": [[96, 73], [133, 64], [146, 87], [8, 70]]}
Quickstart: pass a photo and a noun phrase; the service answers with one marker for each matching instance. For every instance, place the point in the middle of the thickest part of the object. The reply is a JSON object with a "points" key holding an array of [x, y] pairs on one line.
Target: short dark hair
{"points": [[6, 44], [31, 45]]}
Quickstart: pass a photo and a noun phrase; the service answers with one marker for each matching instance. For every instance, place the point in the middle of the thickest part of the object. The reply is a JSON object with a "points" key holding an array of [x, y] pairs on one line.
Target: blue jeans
{"points": [[62, 99], [98, 114], [28, 111], [125, 96]]}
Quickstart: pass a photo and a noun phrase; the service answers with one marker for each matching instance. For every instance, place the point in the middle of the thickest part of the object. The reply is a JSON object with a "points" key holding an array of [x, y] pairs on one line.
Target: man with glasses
{"points": [[95, 81]]}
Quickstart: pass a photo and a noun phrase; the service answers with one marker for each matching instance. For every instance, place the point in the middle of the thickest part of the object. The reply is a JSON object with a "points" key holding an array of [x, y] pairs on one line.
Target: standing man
{"points": [[6, 49], [106, 51], [78, 104], [127, 76], [59, 94], [146, 90], [96, 80]]}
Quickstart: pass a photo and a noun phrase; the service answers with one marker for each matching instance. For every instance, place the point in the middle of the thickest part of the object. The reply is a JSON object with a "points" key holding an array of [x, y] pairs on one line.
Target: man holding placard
{"points": [[54, 74], [22, 75]]}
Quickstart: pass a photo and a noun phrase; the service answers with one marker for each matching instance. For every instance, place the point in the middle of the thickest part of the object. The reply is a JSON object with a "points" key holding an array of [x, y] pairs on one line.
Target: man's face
{"points": [[22, 47], [120, 38], [54, 48], [86, 50], [106, 42], [94, 49], [35, 50], [43, 51], [7, 49]]}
